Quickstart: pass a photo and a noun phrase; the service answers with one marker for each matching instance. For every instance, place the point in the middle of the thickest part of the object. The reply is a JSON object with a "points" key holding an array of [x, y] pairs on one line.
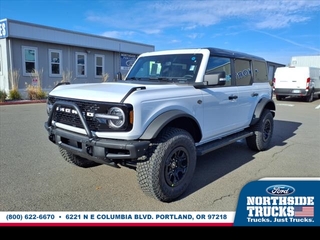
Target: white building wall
{"points": [[305, 61], [4, 73]]}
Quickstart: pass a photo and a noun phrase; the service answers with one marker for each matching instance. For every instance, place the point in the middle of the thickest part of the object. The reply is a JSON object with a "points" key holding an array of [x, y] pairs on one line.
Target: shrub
{"points": [[14, 94], [14, 77], [67, 76], [35, 92], [105, 77], [3, 95]]}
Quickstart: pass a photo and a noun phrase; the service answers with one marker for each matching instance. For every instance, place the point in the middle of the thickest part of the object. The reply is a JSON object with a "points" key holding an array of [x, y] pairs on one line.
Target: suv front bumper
{"points": [[97, 149], [90, 147]]}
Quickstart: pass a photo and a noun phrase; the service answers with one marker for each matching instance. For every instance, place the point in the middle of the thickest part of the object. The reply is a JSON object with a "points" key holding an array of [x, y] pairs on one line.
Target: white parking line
{"points": [[317, 107], [284, 104]]}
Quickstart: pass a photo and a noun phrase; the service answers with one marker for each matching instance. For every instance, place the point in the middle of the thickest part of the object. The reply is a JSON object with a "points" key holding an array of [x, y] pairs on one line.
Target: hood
{"points": [[101, 92]]}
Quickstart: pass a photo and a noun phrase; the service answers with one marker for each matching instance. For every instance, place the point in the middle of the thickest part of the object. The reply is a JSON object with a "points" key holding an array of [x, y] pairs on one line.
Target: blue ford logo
{"points": [[280, 190]]}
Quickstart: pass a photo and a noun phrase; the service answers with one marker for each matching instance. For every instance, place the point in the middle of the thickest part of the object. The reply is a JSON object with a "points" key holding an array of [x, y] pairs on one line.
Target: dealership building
{"points": [[32, 54]]}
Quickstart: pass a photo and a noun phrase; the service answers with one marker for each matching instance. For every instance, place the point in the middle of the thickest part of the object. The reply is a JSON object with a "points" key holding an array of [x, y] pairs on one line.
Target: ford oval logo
{"points": [[280, 190]]}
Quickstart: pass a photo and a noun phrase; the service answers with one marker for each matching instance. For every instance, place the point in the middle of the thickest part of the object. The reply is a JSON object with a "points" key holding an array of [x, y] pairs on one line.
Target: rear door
{"points": [[249, 90], [291, 78]]}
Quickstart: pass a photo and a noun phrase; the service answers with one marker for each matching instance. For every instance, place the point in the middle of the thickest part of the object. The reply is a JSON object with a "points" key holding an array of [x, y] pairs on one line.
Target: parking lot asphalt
{"points": [[35, 177]]}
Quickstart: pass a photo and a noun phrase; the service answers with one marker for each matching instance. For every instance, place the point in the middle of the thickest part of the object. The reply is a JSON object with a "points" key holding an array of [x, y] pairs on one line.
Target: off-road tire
{"points": [[76, 160], [262, 132], [169, 169]]}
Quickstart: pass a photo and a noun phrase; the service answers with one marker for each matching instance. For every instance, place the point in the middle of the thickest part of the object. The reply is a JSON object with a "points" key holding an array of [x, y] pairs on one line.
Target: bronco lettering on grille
{"points": [[66, 110]]}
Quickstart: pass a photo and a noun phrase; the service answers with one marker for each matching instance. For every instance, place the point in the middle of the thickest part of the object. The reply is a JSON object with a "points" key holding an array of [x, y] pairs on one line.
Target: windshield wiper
{"points": [[160, 79], [132, 78], [164, 79]]}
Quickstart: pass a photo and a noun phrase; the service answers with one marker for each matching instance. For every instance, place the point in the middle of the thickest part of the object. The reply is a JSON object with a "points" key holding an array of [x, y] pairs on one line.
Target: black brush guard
{"points": [[89, 146]]}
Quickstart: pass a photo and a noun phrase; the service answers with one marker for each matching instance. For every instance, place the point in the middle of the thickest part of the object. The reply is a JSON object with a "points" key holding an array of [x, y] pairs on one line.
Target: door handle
{"points": [[254, 94], [233, 97]]}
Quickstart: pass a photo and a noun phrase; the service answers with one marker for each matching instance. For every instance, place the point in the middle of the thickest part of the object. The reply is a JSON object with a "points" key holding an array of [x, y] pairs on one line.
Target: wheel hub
{"points": [[176, 166]]}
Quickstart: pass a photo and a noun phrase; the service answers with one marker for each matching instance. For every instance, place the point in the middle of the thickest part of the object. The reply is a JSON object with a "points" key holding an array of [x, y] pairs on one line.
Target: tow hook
{"points": [[89, 150], [52, 138]]}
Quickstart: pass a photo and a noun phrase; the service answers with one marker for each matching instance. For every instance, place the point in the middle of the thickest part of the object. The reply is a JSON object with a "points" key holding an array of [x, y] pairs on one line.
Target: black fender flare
{"points": [[163, 120], [264, 103]]}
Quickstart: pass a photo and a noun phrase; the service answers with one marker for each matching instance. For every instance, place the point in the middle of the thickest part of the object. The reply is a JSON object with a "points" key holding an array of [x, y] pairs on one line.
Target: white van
{"points": [[296, 82]]}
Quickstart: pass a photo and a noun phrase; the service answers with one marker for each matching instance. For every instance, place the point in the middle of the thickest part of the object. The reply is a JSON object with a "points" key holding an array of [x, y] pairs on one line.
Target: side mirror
{"points": [[215, 78]]}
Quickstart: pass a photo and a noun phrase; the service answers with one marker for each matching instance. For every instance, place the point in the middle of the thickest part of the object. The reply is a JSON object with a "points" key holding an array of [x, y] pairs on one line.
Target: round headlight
{"points": [[117, 117]]}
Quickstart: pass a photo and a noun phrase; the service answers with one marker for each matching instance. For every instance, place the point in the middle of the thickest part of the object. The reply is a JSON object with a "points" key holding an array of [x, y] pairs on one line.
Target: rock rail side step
{"points": [[219, 143]]}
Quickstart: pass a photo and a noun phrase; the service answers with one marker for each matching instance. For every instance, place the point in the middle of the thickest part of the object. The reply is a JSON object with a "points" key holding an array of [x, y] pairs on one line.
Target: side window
{"points": [[220, 64], [260, 71], [81, 64], [99, 65], [55, 63], [271, 70], [243, 72], [29, 60]]}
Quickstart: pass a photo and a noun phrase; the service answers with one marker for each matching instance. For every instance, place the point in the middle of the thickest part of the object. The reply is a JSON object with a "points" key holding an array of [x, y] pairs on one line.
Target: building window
{"points": [[29, 58], [81, 61], [55, 62], [99, 64]]}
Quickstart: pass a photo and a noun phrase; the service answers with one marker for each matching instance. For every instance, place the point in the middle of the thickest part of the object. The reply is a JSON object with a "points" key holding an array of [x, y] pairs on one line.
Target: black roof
{"points": [[230, 53]]}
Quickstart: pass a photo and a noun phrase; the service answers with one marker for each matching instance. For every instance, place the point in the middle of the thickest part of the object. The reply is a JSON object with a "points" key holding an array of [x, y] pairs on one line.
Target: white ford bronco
{"points": [[171, 107]]}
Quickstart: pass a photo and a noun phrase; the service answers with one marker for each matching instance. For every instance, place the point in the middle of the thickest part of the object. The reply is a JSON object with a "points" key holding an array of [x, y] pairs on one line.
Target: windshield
{"points": [[177, 68]]}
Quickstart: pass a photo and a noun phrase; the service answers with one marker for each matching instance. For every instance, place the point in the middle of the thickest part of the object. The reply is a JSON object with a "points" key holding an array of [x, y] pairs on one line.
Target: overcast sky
{"points": [[275, 30]]}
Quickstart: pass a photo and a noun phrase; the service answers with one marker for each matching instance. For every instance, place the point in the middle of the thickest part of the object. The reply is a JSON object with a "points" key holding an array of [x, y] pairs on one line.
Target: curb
{"points": [[22, 102]]}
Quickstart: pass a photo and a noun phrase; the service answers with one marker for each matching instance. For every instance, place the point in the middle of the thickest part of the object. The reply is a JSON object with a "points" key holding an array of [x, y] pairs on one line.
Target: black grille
{"points": [[88, 109]]}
